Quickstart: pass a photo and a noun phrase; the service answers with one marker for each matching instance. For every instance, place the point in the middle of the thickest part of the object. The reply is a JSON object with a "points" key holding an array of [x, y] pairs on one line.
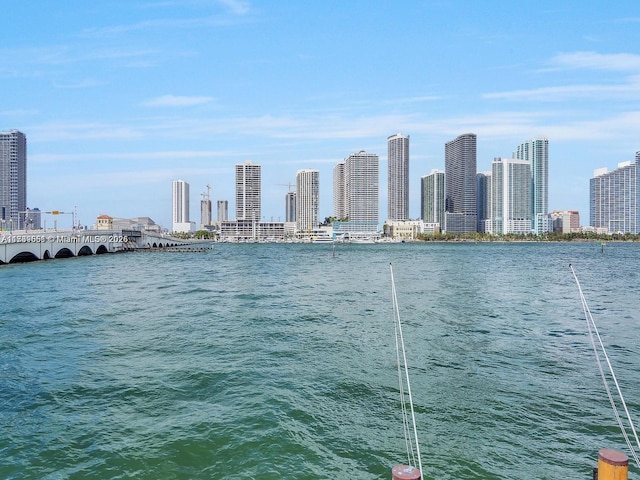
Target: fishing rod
{"points": [[593, 334], [412, 453]]}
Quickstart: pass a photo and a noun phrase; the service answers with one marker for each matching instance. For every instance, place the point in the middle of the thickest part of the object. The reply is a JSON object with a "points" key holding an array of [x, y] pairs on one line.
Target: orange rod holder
{"points": [[612, 465]]}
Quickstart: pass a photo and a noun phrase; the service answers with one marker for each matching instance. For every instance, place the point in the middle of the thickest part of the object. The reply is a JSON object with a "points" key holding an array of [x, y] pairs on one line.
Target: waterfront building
{"points": [[460, 184], [104, 222], [483, 190], [136, 224], [290, 207], [250, 231], [307, 200], [565, 221], [223, 210], [360, 182], [510, 196], [613, 198], [409, 229], [536, 152], [432, 198], [180, 203], [248, 191], [13, 179], [398, 177], [339, 194]]}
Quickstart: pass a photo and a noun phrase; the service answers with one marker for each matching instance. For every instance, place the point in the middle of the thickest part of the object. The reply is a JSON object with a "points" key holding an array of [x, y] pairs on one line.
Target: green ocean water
{"points": [[266, 361]]}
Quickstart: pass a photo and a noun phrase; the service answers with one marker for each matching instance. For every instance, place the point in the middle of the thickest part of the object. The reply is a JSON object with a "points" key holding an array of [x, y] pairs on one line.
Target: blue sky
{"points": [[118, 98]]}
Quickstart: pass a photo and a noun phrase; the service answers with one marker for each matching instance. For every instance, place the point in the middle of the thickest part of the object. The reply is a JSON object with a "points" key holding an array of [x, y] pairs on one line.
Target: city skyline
{"points": [[118, 100]]}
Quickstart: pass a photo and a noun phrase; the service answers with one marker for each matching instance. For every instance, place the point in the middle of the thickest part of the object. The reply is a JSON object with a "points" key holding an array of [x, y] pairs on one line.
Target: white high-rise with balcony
{"points": [[536, 152], [510, 196], [307, 199], [614, 199], [248, 191], [361, 174], [432, 198]]}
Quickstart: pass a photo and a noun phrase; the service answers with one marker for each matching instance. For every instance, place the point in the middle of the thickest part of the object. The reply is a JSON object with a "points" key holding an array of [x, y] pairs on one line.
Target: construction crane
{"points": [[289, 185], [207, 196]]}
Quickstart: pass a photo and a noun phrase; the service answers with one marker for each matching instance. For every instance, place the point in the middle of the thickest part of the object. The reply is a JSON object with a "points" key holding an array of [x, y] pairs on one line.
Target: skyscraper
{"points": [[290, 207], [361, 180], [223, 210], [536, 152], [248, 196], [205, 209], [483, 190], [613, 198], [510, 196], [307, 199], [339, 194], [180, 202], [398, 179], [432, 198], [460, 184], [13, 179]]}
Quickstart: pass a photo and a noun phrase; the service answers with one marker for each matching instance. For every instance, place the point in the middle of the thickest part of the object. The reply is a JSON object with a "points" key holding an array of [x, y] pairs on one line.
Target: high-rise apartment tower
{"points": [[13, 179], [614, 199], [248, 196], [536, 152], [307, 199], [180, 203], [483, 191], [398, 177], [460, 184], [361, 180], [290, 207], [339, 193], [510, 196], [432, 198]]}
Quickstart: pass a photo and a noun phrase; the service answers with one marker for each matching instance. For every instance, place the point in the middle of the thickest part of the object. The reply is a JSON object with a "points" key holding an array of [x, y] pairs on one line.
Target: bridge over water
{"points": [[26, 246]]}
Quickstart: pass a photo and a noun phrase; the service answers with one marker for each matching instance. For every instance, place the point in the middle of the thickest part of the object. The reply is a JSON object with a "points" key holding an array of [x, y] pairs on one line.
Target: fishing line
{"points": [[592, 328], [400, 347]]}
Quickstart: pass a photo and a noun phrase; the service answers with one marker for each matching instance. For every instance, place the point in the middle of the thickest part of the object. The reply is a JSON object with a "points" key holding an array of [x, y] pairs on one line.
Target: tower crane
{"points": [[289, 185]]}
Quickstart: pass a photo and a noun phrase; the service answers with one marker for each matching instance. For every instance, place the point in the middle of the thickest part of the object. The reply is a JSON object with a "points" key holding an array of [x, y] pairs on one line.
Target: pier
{"points": [[27, 246]]}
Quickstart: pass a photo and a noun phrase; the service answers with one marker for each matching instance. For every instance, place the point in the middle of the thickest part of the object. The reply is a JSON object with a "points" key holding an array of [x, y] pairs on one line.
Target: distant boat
{"points": [[361, 240], [322, 239]]}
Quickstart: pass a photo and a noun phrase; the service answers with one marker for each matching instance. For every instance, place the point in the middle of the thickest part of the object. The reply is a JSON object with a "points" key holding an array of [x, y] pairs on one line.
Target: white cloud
{"points": [[82, 131], [630, 89], [237, 7], [138, 156], [177, 101], [598, 61], [19, 112], [88, 83]]}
